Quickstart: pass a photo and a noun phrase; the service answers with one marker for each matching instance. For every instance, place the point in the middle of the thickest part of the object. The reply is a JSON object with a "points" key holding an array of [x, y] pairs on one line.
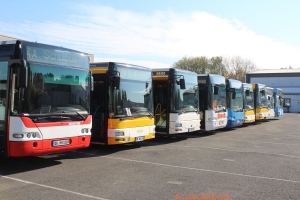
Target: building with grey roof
{"points": [[6, 37], [286, 79]]}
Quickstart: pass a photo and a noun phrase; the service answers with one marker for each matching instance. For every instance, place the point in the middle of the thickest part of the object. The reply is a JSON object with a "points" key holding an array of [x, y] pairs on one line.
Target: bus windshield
{"points": [[185, 100], [237, 103], [217, 102], [134, 97], [249, 100], [278, 101], [55, 89], [261, 100]]}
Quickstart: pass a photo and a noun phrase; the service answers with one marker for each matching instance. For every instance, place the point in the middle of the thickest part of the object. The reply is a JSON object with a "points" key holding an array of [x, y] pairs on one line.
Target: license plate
{"points": [[60, 143], [191, 129], [138, 139]]}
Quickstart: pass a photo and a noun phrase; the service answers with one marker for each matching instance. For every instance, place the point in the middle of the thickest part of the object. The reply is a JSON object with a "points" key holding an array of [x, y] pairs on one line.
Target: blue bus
{"points": [[234, 99], [278, 102]]}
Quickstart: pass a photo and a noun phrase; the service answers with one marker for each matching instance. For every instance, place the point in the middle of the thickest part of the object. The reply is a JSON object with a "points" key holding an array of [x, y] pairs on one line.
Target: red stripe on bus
{"points": [[28, 122], [42, 147], [88, 120]]}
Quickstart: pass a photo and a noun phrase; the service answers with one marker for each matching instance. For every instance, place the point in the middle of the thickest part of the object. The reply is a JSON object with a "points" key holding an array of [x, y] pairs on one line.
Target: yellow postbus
{"points": [[260, 103], [121, 103]]}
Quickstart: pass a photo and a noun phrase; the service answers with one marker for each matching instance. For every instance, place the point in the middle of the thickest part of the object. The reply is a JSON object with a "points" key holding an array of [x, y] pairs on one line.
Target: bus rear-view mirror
{"points": [[216, 90], [22, 76], [116, 82], [182, 84], [233, 94], [247, 92]]}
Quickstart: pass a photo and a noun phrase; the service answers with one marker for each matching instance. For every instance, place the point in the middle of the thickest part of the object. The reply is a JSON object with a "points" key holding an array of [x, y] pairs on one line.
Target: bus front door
{"points": [[160, 106]]}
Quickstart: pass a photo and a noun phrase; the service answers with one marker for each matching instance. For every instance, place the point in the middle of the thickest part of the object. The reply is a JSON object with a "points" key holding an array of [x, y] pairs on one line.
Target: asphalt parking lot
{"points": [[258, 161]]}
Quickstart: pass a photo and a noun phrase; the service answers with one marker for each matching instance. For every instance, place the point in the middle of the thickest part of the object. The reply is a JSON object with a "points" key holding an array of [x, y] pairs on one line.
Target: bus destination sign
{"points": [[57, 57]]}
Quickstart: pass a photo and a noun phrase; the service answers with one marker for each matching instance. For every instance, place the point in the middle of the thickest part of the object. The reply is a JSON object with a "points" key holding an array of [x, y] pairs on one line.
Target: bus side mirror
{"points": [[233, 95], [22, 76], [216, 90], [147, 85], [116, 82], [182, 84], [247, 93], [92, 83], [269, 98], [263, 92]]}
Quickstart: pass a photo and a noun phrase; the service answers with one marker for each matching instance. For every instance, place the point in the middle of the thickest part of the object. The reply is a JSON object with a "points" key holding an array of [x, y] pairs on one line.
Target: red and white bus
{"points": [[44, 99]]}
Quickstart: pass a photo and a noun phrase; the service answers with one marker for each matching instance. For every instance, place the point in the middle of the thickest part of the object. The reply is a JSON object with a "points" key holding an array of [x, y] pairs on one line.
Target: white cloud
{"points": [[156, 39]]}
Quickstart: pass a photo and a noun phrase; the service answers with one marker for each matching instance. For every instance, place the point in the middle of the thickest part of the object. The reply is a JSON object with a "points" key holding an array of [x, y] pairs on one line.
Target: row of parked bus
{"points": [[54, 100]]}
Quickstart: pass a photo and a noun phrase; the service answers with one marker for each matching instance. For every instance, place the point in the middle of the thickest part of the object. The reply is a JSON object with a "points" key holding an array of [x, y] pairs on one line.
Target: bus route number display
{"points": [[160, 74]]}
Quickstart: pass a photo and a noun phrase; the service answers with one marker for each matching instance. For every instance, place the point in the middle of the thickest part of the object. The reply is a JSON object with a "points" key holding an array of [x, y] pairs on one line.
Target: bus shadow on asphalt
{"points": [[13, 165], [161, 139]]}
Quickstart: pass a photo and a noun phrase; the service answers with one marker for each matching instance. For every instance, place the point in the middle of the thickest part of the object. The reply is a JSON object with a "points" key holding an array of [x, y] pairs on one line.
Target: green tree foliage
{"points": [[202, 65], [193, 64]]}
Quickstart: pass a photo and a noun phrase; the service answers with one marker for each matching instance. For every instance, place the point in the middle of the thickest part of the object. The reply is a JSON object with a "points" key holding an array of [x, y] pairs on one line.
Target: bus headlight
{"points": [[212, 119], [28, 135], [84, 130], [178, 125], [18, 135], [119, 133]]}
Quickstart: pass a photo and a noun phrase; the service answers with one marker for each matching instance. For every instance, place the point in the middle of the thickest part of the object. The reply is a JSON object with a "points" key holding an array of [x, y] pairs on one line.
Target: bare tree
{"points": [[237, 67]]}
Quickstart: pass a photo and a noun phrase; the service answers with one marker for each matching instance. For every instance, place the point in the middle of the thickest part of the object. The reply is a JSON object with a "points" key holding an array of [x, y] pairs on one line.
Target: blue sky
{"points": [[158, 33]]}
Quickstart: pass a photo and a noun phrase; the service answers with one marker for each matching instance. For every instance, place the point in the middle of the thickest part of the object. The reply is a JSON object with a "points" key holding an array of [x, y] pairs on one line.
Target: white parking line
{"points": [[50, 187], [195, 169], [255, 141], [282, 135], [233, 150], [230, 160]]}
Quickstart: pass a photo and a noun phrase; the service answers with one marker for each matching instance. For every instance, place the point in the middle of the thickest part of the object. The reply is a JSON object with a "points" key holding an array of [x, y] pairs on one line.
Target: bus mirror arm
{"points": [[22, 72], [20, 62]]}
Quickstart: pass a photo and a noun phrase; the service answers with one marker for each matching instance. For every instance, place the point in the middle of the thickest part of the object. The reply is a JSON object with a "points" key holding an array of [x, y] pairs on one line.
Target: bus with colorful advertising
{"points": [[44, 99], [212, 101], [270, 103], [121, 103], [234, 97], [248, 105], [260, 103], [278, 102], [175, 101]]}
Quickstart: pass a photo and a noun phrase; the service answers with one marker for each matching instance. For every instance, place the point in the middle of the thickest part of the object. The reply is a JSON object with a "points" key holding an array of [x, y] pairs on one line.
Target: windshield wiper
{"points": [[82, 117], [151, 114], [50, 117]]}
